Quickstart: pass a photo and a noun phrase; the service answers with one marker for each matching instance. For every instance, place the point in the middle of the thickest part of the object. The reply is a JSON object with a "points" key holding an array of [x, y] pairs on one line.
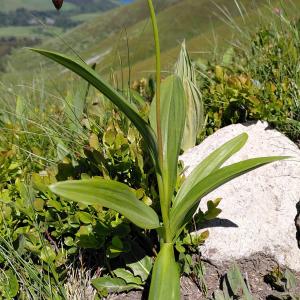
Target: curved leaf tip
{"points": [[110, 194]]}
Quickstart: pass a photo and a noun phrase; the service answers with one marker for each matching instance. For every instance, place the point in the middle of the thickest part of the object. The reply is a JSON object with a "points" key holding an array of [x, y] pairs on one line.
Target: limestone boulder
{"points": [[259, 208]]}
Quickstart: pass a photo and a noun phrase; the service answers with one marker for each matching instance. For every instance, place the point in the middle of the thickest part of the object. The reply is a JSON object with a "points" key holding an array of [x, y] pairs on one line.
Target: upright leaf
{"points": [[91, 76], [188, 205], [165, 282], [236, 282], [110, 194], [211, 163], [75, 106], [172, 124], [194, 104]]}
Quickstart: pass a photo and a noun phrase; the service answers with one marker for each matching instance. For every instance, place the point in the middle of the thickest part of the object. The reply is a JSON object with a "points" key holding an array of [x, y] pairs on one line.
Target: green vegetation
{"points": [[32, 31], [92, 201], [257, 83]]}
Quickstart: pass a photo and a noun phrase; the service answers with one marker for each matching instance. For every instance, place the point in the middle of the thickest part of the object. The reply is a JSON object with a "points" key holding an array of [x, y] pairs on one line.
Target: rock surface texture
{"points": [[259, 208]]}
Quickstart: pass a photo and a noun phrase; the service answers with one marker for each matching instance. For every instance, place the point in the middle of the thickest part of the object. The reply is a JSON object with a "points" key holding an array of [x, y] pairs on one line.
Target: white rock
{"points": [[261, 203]]}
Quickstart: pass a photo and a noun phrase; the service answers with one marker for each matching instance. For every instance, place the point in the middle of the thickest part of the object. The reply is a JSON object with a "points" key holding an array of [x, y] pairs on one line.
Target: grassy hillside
{"points": [[104, 40], [26, 22], [12, 5], [42, 5]]}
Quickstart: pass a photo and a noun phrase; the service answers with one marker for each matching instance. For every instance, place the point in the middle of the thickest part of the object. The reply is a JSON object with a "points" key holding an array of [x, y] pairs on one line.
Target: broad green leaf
{"points": [[211, 163], [48, 254], [9, 284], [186, 208], [172, 124], [110, 194], [141, 267], [116, 247], [84, 217], [235, 278], [91, 76], [291, 280], [228, 57], [165, 282], [127, 276], [86, 238], [236, 282], [113, 284], [138, 262], [212, 209], [219, 295]]}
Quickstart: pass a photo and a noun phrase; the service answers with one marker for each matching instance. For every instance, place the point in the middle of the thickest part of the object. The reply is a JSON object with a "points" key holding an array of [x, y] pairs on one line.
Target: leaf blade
{"points": [[114, 284], [165, 281], [110, 194], [173, 107], [187, 207], [211, 163], [195, 118]]}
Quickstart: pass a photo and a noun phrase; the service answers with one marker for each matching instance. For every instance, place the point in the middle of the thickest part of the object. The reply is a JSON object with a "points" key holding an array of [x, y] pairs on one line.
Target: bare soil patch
{"points": [[254, 269]]}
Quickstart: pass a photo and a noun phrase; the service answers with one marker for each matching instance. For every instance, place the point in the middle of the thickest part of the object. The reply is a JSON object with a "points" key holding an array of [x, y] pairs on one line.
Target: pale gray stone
{"points": [[258, 208]]}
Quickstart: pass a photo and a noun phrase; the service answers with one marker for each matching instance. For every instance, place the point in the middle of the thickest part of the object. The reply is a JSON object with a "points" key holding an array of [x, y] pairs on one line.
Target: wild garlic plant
{"points": [[163, 138]]}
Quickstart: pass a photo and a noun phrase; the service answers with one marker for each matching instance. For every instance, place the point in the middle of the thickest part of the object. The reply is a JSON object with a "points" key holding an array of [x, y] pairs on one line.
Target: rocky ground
{"points": [[254, 269]]}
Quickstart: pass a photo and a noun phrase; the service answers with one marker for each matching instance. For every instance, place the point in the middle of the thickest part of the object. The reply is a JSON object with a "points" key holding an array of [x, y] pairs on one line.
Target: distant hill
{"points": [[28, 22], [104, 40], [42, 5]]}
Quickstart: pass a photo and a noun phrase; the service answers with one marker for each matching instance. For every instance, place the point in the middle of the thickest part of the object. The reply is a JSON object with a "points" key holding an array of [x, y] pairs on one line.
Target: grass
{"points": [[85, 17], [29, 31]]}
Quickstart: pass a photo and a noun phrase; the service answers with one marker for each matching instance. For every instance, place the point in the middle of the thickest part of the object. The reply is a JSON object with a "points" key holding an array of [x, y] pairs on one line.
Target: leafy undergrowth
{"points": [[260, 82]]}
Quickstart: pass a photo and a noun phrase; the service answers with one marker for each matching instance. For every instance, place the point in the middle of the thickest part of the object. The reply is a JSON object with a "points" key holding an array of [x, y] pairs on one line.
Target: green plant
{"points": [[163, 141], [283, 283], [233, 286], [195, 119], [256, 82]]}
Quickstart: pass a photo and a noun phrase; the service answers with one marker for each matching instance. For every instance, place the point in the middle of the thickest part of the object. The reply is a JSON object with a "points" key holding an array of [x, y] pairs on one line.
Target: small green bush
{"points": [[258, 84]]}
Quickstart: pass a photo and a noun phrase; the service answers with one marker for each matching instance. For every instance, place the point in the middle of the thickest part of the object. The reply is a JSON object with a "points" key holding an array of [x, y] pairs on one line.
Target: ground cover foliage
{"points": [[260, 83], [46, 241]]}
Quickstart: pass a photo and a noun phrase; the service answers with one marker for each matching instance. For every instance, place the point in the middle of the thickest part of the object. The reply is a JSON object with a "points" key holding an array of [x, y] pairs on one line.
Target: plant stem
{"points": [[158, 80], [163, 198]]}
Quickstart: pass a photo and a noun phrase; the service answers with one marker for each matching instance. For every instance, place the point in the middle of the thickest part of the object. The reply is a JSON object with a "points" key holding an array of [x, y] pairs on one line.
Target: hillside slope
{"points": [[104, 40], [46, 5], [29, 22]]}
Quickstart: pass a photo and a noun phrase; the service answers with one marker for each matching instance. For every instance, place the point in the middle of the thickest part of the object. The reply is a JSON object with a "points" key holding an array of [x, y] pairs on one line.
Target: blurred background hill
{"points": [[117, 35]]}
